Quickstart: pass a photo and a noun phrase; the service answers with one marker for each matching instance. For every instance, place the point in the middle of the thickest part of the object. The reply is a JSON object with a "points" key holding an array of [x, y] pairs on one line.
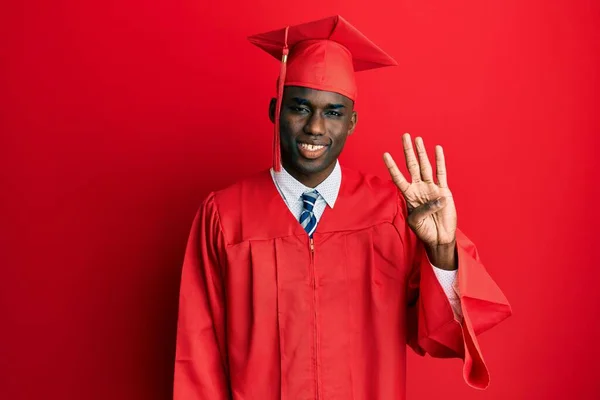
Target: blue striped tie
{"points": [[307, 218]]}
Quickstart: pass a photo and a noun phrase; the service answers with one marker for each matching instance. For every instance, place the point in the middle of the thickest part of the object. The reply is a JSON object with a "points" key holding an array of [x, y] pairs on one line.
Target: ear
{"points": [[353, 122], [272, 106]]}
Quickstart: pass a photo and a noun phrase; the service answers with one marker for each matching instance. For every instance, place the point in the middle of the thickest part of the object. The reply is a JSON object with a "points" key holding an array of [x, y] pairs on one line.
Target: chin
{"points": [[311, 167]]}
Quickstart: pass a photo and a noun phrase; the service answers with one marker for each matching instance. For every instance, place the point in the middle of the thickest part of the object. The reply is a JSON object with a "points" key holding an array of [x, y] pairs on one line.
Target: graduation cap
{"points": [[322, 55]]}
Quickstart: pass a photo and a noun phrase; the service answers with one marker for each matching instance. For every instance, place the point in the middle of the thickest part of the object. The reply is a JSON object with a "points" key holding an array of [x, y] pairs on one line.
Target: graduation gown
{"points": [[266, 314]]}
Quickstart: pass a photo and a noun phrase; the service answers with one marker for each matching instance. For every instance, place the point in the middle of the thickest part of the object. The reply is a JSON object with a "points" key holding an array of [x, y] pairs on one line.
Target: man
{"points": [[308, 281]]}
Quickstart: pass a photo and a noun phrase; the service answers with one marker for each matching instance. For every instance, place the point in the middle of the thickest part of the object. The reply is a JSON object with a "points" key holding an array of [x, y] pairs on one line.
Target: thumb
{"points": [[423, 211]]}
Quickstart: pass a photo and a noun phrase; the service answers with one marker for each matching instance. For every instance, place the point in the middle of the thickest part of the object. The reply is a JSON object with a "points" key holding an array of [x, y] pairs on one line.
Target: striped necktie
{"points": [[307, 218]]}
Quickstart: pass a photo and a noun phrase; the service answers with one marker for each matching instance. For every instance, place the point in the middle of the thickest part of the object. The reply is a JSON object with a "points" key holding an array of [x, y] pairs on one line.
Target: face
{"points": [[314, 126]]}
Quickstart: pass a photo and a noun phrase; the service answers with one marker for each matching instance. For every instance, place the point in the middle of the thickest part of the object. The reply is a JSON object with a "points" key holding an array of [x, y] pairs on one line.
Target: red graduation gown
{"points": [[262, 316]]}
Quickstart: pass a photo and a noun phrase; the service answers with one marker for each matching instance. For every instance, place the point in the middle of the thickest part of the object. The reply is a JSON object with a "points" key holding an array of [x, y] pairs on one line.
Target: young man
{"points": [[308, 281]]}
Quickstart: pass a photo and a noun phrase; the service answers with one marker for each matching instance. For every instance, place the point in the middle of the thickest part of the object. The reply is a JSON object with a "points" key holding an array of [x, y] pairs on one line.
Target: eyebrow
{"points": [[303, 102]]}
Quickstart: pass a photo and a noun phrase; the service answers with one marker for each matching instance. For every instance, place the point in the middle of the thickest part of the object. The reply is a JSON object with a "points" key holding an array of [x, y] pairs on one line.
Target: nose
{"points": [[315, 125]]}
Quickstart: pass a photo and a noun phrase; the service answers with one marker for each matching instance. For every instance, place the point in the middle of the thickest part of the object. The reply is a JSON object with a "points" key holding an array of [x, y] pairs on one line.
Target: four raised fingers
{"points": [[419, 170]]}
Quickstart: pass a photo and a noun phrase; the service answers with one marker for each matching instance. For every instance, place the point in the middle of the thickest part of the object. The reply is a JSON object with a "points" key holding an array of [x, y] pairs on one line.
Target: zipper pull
{"points": [[312, 245]]}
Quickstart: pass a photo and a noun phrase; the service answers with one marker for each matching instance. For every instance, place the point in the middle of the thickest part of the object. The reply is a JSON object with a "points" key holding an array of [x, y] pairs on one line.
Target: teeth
{"points": [[311, 147]]}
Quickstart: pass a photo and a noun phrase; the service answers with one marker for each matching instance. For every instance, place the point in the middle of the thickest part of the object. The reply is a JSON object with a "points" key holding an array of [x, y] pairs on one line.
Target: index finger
{"points": [[395, 173]]}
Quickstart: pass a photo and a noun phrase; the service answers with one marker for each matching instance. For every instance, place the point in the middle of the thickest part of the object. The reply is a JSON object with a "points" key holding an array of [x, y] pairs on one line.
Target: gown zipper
{"points": [[314, 282]]}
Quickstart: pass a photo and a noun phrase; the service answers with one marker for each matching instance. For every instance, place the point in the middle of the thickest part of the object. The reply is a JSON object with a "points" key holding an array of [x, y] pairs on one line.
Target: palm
{"points": [[433, 228]]}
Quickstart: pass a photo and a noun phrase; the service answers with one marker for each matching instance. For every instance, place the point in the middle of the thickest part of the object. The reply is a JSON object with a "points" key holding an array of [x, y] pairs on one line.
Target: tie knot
{"points": [[309, 199]]}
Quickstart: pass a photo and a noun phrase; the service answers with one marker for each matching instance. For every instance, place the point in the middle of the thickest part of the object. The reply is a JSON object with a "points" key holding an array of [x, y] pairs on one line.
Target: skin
{"points": [[431, 209], [314, 117], [326, 118]]}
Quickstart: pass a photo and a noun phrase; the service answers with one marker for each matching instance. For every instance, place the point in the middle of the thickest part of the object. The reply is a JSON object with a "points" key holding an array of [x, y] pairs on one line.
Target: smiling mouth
{"points": [[311, 151]]}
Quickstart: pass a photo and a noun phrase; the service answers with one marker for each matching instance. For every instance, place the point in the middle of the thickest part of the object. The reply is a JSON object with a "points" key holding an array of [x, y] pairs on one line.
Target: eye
{"points": [[299, 110], [334, 113]]}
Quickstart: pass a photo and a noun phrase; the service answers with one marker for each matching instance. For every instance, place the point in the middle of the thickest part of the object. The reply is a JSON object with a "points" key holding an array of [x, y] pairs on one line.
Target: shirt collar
{"points": [[292, 189]]}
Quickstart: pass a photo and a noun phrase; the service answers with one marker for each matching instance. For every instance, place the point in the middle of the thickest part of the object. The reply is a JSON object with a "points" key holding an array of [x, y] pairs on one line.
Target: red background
{"points": [[118, 117]]}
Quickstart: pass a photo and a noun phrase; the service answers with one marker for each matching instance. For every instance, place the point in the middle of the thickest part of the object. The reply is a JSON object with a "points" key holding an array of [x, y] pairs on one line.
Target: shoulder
{"points": [[370, 187], [241, 191], [242, 206], [375, 196], [369, 184]]}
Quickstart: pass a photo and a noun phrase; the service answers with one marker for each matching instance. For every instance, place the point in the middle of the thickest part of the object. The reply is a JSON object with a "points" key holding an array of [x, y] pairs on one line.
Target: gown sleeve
{"points": [[432, 327], [200, 360]]}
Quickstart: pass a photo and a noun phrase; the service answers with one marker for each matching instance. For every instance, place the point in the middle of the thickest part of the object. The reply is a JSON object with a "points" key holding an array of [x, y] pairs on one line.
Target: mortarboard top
{"points": [[322, 55]]}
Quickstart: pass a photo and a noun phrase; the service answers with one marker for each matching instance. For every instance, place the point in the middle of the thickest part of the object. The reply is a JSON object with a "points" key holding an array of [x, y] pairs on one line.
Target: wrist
{"points": [[443, 256]]}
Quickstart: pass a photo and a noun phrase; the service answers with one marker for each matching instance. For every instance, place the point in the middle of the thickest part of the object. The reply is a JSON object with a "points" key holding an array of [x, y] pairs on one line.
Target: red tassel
{"points": [[280, 86]]}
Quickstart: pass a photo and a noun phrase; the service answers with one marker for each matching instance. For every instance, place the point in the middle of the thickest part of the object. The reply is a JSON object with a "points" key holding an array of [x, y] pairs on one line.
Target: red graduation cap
{"points": [[320, 55]]}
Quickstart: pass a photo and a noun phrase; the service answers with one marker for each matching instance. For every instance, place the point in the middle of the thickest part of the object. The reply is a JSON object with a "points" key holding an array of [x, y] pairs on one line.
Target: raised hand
{"points": [[431, 209]]}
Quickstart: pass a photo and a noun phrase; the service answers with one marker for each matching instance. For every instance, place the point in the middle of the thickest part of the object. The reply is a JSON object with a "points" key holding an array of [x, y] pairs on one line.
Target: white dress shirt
{"points": [[291, 190]]}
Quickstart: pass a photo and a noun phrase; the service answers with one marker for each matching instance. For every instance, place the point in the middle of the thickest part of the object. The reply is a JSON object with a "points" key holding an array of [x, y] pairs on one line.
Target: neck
{"points": [[311, 180]]}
